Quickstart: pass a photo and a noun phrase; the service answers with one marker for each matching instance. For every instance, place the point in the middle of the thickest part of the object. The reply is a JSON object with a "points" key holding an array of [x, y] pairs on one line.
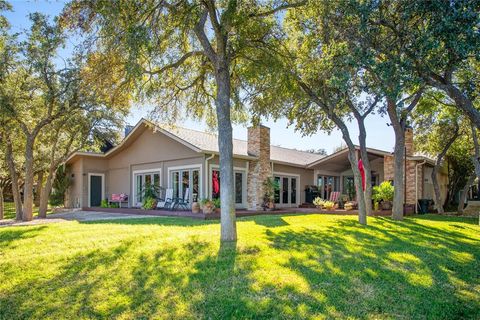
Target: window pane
{"points": [[238, 187], [215, 184], [285, 190], [293, 193], [277, 190], [138, 188], [195, 187], [148, 180], [185, 181], [156, 180], [175, 181]]}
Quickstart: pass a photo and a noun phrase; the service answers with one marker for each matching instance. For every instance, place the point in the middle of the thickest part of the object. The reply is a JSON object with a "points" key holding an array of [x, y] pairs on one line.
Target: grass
{"points": [[289, 266]]}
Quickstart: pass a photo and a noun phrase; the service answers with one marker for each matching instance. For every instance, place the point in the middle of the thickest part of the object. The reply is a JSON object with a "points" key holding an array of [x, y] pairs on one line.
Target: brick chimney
{"points": [[409, 146], [258, 145]]}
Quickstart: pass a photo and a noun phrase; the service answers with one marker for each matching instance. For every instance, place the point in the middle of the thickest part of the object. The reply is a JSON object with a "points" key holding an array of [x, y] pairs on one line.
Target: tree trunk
{"points": [[17, 199], [436, 189], [462, 102], [225, 146], [39, 189], [45, 195], [28, 185], [1, 204], [366, 165], [399, 162], [362, 210], [463, 195]]}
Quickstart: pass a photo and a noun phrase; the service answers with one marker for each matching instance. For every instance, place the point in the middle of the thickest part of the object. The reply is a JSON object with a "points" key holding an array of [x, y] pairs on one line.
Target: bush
{"points": [[328, 205], [149, 203], [216, 203], [318, 202], [383, 192], [104, 203]]}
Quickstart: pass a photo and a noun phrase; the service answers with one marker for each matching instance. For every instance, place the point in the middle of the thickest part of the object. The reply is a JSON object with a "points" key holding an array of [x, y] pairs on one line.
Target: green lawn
{"points": [[289, 266], [9, 210]]}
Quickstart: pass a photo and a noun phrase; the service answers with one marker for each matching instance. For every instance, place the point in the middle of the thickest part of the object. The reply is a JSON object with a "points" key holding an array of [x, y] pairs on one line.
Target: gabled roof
{"points": [[205, 142]]}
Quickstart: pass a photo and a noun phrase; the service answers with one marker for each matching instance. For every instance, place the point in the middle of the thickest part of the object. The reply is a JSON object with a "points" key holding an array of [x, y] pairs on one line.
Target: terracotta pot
{"points": [[271, 205], [207, 209], [387, 205], [195, 207]]}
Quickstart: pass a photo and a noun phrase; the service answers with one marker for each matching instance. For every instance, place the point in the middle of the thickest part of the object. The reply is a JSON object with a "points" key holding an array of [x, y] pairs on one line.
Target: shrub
{"points": [[318, 202], [383, 192], [329, 205], [149, 203], [104, 203], [216, 203]]}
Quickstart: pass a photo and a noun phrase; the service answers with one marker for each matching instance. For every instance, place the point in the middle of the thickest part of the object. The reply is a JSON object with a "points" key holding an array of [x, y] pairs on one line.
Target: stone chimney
{"points": [[409, 146], [258, 145]]}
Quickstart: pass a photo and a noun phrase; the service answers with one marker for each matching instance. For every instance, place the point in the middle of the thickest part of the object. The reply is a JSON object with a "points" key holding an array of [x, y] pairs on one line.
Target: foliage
{"points": [[329, 205], [149, 203], [104, 203], [318, 202], [150, 190], [270, 186], [383, 192], [60, 186]]}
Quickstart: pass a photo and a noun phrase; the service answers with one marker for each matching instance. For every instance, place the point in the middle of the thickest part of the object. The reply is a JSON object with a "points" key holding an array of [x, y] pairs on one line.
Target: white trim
{"points": [[134, 172], [289, 175], [90, 174], [244, 203], [189, 168]]}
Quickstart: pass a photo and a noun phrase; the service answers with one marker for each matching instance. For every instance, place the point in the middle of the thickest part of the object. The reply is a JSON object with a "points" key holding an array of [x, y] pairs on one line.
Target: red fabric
{"points": [[215, 182], [362, 173]]}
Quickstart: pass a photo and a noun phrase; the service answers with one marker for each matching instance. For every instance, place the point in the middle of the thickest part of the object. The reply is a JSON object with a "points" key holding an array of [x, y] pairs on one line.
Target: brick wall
{"points": [[259, 170]]}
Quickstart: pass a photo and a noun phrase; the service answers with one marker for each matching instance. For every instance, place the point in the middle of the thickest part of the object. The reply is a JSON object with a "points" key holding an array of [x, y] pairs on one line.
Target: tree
{"points": [[438, 125], [184, 54], [438, 42]]}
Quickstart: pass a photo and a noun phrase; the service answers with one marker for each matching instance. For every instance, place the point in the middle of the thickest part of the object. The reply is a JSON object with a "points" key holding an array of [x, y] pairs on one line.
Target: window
{"points": [[183, 179], [143, 180], [238, 185], [327, 185]]}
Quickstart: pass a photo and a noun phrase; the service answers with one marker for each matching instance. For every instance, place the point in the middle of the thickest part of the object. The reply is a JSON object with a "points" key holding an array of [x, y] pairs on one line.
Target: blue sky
{"points": [[379, 135]]}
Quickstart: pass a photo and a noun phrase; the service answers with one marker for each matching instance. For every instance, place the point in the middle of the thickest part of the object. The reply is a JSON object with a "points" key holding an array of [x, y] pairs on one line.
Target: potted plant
{"points": [[207, 205], [149, 193], [270, 186], [318, 202], [384, 194]]}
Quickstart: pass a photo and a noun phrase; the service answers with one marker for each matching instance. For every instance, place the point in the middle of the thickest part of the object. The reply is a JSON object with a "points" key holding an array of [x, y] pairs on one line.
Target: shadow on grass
{"points": [[9, 236], [161, 221], [384, 270]]}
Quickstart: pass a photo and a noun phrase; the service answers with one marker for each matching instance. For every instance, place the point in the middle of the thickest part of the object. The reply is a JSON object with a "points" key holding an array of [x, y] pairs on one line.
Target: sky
{"points": [[379, 135]]}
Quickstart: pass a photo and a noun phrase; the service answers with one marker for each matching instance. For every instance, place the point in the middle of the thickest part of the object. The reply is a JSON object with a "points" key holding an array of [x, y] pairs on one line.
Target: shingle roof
{"points": [[208, 142]]}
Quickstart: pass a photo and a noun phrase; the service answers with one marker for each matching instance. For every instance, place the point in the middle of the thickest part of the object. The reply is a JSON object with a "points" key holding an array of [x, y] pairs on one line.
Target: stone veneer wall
{"points": [[259, 170], [388, 167]]}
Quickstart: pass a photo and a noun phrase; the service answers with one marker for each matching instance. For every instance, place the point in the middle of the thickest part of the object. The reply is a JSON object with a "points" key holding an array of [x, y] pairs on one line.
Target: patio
{"points": [[239, 213]]}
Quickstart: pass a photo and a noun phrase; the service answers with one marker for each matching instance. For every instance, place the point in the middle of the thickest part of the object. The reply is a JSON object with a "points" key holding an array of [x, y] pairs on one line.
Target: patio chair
{"points": [[334, 196], [167, 202], [183, 202]]}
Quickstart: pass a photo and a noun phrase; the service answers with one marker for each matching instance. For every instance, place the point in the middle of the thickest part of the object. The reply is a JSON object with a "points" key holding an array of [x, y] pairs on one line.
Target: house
{"points": [[180, 158]]}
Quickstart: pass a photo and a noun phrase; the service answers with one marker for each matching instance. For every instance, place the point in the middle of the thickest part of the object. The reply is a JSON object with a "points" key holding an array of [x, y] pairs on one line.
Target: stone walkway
{"points": [[73, 216]]}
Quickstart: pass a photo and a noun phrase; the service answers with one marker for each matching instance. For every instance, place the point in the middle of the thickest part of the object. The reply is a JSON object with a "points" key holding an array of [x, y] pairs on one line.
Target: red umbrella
{"points": [[362, 173]]}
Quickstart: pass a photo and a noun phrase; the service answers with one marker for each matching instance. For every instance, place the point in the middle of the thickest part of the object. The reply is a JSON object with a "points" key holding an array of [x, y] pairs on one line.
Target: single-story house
{"points": [[179, 158]]}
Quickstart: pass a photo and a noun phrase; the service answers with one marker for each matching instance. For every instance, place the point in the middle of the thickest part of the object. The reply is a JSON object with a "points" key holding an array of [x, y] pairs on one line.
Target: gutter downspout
{"points": [[416, 184], [207, 174]]}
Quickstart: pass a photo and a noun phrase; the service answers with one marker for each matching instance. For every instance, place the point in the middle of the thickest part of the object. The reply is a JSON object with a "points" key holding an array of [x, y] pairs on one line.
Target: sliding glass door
{"points": [[239, 183], [183, 179], [327, 185], [143, 180], [286, 194]]}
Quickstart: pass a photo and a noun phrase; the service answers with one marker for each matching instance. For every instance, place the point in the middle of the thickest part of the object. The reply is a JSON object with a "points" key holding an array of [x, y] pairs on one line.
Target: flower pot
{"points": [[386, 205], [208, 209], [195, 207], [319, 207]]}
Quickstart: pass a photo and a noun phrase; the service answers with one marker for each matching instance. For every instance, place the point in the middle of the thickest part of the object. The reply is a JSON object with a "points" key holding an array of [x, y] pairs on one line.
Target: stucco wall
{"points": [[306, 177]]}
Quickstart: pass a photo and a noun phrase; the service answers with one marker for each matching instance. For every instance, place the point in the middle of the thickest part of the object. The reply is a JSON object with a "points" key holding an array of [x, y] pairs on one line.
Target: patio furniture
{"points": [[167, 202], [334, 196], [183, 202], [119, 198]]}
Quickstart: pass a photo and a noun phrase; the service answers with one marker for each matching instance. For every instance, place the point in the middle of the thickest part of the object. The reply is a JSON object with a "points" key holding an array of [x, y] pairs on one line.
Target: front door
{"points": [[286, 193], [95, 190]]}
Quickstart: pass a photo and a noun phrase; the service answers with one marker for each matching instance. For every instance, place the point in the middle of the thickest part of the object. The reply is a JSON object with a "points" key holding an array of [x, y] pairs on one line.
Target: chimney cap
{"points": [[258, 126]]}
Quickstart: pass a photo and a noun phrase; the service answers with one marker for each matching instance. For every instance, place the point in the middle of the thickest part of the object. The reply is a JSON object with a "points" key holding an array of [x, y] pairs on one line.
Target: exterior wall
{"points": [[306, 177], [75, 191], [388, 168], [259, 170], [93, 165], [411, 190]]}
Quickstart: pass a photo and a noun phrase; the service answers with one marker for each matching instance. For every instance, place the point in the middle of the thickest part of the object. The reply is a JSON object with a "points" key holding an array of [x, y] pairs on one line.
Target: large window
{"points": [[143, 180], [239, 183], [183, 179], [327, 185]]}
